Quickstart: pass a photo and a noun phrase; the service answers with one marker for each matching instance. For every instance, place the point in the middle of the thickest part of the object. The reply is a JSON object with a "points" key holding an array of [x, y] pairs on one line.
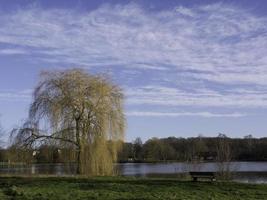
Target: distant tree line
{"points": [[220, 149]]}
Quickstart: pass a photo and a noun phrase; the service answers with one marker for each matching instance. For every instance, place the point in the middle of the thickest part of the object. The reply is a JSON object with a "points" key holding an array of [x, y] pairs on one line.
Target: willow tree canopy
{"points": [[78, 111]]}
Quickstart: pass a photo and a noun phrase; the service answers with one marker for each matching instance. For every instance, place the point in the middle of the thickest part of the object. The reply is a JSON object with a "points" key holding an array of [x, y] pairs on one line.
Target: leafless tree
{"points": [[137, 148], [81, 113], [224, 156]]}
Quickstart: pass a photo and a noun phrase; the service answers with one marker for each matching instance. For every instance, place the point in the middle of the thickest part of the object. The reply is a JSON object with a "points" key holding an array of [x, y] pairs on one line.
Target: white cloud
{"points": [[223, 40], [158, 95], [23, 95], [179, 114], [185, 11], [203, 55], [12, 51]]}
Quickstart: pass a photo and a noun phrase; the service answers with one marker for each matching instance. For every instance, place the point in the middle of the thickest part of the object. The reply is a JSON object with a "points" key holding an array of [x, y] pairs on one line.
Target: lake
{"points": [[247, 172], [251, 172]]}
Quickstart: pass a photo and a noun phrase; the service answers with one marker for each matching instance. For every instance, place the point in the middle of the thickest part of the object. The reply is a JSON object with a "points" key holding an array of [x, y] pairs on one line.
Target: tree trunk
{"points": [[79, 148], [78, 160]]}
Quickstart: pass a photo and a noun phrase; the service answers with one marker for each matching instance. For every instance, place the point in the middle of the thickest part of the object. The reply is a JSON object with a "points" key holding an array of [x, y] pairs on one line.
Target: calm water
{"points": [[253, 172], [247, 172], [170, 168]]}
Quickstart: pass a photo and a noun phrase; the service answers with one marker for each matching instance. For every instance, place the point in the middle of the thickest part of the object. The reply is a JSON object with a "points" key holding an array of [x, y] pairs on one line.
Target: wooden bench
{"points": [[203, 175]]}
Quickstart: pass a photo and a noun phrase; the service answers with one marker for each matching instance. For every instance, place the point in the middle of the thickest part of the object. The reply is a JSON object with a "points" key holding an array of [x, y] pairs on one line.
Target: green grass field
{"points": [[55, 188]]}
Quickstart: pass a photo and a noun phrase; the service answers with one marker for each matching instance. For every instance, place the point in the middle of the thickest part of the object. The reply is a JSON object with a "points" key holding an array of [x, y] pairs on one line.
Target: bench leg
{"points": [[194, 178]]}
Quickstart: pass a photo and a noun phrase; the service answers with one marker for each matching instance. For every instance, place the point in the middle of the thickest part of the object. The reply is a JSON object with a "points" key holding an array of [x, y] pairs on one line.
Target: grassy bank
{"points": [[51, 188]]}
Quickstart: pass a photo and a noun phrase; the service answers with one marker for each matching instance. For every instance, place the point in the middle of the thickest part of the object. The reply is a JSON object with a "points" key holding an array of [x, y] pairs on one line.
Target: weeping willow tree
{"points": [[81, 113]]}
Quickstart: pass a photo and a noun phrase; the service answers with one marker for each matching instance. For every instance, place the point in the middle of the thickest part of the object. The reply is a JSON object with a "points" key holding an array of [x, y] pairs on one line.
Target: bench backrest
{"points": [[202, 173]]}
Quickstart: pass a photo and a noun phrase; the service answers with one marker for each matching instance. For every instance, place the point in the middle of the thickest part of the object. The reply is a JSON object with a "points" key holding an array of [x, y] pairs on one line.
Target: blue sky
{"points": [[186, 67]]}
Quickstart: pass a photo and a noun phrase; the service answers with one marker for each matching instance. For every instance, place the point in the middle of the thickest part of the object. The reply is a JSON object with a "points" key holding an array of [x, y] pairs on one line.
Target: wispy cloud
{"points": [[23, 95], [200, 56], [158, 95], [179, 114], [222, 40], [12, 51]]}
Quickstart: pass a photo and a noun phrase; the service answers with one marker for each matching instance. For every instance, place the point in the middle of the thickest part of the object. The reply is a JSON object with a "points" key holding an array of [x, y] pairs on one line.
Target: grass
{"points": [[57, 188]]}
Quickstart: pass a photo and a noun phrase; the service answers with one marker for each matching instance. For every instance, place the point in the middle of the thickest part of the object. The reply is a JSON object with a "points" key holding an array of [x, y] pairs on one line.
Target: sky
{"points": [[187, 67]]}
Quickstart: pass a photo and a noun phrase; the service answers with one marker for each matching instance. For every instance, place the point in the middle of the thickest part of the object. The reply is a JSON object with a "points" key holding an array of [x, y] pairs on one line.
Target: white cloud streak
{"points": [[12, 51], [182, 114], [157, 95], [23, 95]]}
